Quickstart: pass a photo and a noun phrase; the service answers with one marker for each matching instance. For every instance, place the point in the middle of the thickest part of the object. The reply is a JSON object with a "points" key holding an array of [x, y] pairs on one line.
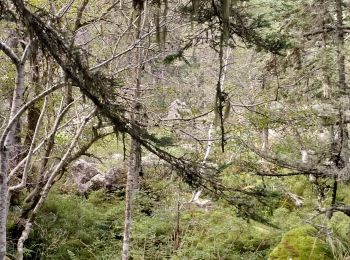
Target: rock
{"points": [[82, 171], [98, 182], [86, 177], [117, 158], [83, 188], [201, 203], [276, 106], [115, 178]]}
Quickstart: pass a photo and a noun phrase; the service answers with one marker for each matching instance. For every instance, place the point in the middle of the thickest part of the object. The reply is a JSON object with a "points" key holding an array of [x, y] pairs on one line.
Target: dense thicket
{"points": [[244, 102]]}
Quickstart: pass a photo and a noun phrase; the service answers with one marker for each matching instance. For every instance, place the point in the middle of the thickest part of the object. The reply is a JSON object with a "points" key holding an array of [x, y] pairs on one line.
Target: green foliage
{"points": [[219, 234], [301, 243], [338, 239], [71, 228]]}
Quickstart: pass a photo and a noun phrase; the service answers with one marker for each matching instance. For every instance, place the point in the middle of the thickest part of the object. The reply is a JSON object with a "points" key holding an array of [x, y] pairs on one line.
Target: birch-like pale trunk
{"points": [[211, 131], [4, 168], [17, 102], [30, 153], [265, 139], [8, 140], [7, 148], [135, 159]]}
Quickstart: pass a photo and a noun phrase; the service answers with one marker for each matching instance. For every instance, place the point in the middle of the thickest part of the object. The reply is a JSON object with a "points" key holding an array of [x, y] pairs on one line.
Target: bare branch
{"points": [[10, 53], [23, 182], [24, 108], [64, 9]]}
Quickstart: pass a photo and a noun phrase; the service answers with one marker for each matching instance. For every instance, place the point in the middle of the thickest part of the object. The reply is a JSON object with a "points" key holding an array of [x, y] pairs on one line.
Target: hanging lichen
{"points": [[161, 30], [138, 4], [165, 14], [195, 5], [226, 11], [157, 20], [227, 108]]}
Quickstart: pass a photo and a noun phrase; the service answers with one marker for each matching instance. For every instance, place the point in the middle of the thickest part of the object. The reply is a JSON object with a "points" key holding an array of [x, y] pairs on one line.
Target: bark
{"points": [[344, 152], [20, 233], [12, 142], [34, 110], [128, 211], [8, 139], [177, 238], [211, 131], [4, 168], [32, 199], [340, 47], [219, 93], [28, 162], [135, 148], [265, 139], [325, 68]]}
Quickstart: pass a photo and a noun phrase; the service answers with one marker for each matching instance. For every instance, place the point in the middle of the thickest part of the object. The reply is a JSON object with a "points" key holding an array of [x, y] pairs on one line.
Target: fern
{"points": [[72, 256]]}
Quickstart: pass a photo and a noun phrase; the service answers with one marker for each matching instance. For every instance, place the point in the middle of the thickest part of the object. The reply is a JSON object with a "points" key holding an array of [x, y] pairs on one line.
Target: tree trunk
{"points": [[8, 148], [134, 169], [135, 147], [343, 104], [34, 110], [11, 142], [340, 47], [4, 168], [211, 131]]}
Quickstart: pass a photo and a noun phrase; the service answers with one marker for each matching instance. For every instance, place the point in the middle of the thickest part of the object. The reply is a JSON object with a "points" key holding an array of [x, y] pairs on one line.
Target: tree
{"points": [[114, 63]]}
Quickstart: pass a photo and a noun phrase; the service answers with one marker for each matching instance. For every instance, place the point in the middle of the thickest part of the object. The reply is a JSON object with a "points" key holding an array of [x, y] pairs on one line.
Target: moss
{"points": [[340, 225], [301, 243], [339, 238], [68, 223]]}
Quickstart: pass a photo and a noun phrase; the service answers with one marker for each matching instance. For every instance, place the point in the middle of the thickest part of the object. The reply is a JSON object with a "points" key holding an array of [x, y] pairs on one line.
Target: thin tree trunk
{"points": [[325, 67], [8, 141], [211, 131], [34, 110], [4, 168], [8, 149], [135, 147], [340, 47], [11, 141], [178, 216], [344, 99]]}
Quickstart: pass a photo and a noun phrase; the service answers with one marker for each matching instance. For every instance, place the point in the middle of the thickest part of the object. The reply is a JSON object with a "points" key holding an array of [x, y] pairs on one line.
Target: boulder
{"points": [[85, 177], [83, 171], [115, 178]]}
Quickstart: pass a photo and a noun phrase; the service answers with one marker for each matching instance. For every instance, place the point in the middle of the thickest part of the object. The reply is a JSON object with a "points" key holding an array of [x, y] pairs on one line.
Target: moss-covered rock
{"points": [[301, 243]]}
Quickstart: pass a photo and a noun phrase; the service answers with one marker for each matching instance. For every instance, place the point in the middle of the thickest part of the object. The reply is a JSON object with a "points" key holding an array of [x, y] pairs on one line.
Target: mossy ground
{"points": [[301, 243], [74, 227]]}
